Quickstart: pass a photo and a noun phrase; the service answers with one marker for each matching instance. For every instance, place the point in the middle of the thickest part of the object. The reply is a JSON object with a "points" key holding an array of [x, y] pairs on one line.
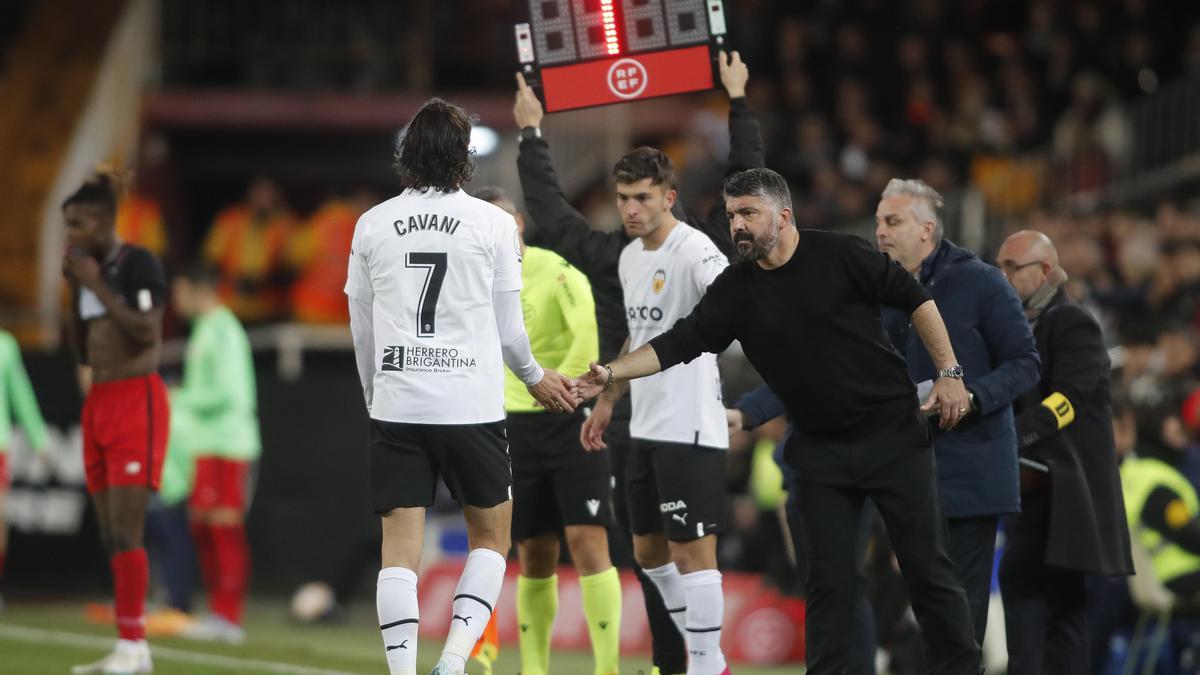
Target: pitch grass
{"points": [[353, 646]]}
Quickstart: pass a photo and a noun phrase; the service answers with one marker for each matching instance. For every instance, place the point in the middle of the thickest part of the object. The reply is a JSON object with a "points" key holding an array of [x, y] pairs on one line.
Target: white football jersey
{"points": [[428, 263], [681, 404]]}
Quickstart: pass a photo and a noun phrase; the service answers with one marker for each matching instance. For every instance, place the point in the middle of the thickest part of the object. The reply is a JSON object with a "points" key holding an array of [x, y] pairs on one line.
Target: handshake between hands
{"points": [[558, 393]]}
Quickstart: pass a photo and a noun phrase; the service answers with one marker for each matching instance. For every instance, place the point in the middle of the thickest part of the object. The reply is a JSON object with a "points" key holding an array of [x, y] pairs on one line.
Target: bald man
{"points": [[1072, 521]]}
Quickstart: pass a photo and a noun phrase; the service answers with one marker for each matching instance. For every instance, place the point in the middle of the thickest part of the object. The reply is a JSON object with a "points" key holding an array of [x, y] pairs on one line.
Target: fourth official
{"points": [[1072, 520]]}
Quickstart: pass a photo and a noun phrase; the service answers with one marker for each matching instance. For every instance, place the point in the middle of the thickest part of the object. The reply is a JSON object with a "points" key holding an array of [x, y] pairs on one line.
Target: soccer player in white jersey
{"points": [[675, 472], [434, 288]]}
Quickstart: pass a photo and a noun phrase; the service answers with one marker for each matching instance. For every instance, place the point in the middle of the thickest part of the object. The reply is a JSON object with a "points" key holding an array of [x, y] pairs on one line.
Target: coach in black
{"points": [[1072, 520], [559, 227], [806, 308]]}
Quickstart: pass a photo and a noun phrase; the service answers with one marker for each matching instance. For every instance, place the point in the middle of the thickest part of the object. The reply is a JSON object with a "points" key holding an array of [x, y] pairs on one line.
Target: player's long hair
{"points": [[434, 149]]}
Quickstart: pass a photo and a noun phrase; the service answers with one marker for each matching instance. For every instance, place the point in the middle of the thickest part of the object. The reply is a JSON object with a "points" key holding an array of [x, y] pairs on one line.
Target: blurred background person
{"points": [[118, 292], [17, 402], [318, 253], [248, 245], [219, 400], [1164, 516], [168, 539]]}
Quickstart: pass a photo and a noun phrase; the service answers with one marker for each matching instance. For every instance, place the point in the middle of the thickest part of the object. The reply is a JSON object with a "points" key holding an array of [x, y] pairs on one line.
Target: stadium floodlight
{"points": [[484, 140]]}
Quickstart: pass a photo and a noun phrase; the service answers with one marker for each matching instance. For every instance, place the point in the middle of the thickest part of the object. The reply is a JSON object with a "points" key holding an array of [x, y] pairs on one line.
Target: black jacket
{"points": [[1088, 530], [558, 226]]}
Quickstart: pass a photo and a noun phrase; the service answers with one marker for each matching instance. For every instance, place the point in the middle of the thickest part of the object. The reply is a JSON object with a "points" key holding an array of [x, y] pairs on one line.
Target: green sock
{"points": [[537, 603], [602, 606]]}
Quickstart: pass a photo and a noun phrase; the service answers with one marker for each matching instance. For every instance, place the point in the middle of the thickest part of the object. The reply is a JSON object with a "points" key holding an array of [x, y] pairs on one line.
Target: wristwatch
{"points": [[955, 371], [530, 133]]}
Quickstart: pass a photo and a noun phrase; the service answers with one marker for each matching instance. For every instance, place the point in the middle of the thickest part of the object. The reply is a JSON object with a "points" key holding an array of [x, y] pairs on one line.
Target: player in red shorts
{"points": [[218, 401], [117, 294]]}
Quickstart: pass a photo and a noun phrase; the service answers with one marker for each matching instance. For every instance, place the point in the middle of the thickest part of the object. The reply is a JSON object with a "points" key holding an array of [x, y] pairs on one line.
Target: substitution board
{"points": [[583, 53]]}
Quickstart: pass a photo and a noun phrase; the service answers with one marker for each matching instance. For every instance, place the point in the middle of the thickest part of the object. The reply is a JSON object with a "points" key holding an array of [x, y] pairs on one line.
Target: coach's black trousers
{"points": [[1045, 608], [895, 468]]}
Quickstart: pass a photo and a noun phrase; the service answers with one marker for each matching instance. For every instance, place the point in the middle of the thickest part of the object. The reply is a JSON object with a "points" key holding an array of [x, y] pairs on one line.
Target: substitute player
{"points": [[117, 296], [16, 400], [558, 488], [219, 398], [435, 311], [558, 226], [675, 474]]}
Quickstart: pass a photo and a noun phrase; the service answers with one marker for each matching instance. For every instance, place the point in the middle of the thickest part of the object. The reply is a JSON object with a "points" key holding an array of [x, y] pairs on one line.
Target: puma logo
{"points": [[524, 627], [402, 645], [465, 619], [603, 625], [681, 517]]}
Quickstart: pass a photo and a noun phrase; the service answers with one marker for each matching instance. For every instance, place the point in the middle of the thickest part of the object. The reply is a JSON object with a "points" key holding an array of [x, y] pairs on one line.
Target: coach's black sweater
{"points": [[558, 226], [812, 328]]}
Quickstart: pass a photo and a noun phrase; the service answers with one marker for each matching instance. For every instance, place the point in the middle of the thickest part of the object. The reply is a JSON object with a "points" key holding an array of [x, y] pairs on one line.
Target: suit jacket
{"points": [[1066, 423]]}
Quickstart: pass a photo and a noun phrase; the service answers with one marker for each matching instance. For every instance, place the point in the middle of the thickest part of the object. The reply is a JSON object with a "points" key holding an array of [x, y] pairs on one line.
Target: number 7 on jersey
{"points": [[434, 265]]}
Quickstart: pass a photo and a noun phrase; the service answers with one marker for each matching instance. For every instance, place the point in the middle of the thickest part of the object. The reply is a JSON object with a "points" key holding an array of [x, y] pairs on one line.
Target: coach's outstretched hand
{"points": [[555, 392], [734, 73], [527, 111], [590, 384]]}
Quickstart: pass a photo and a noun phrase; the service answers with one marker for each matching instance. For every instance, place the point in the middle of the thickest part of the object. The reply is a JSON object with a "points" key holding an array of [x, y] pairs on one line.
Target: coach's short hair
{"points": [[760, 182], [645, 162], [927, 202], [434, 149]]}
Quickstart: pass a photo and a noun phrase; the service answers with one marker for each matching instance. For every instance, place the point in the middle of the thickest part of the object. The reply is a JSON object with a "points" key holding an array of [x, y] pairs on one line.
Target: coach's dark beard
{"points": [[751, 249]]}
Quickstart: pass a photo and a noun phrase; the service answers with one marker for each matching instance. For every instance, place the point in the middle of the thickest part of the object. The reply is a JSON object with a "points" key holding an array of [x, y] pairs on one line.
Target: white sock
{"points": [[474, 599], [670, 585], [396, 601], [705, 610]]}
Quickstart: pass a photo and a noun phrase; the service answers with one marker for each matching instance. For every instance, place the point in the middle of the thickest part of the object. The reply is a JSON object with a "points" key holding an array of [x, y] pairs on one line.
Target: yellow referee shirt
{"points": [[560, 317]]}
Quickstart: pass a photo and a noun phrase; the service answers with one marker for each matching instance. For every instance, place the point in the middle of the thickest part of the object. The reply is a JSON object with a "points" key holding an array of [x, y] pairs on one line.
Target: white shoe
{"points": [[442, 668], [127, 658], [212, 628]]}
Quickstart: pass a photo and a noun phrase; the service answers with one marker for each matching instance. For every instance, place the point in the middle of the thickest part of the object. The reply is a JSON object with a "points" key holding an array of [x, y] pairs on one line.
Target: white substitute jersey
{"points": [[429, 263], [681, 404]]}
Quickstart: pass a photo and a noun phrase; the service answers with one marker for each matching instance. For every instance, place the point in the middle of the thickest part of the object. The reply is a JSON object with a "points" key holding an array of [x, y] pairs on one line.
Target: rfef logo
{"points": [[393, 358], [627, 78]]}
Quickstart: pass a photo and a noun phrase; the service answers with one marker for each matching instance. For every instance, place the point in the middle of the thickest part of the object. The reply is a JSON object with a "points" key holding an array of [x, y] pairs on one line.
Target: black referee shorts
{"points": [[407, 459], [677, 489], [555, 481]]}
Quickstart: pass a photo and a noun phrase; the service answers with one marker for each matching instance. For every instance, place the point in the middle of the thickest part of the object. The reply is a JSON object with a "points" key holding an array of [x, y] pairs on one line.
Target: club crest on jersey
{"points": [[660, 280], [393, 358]]}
